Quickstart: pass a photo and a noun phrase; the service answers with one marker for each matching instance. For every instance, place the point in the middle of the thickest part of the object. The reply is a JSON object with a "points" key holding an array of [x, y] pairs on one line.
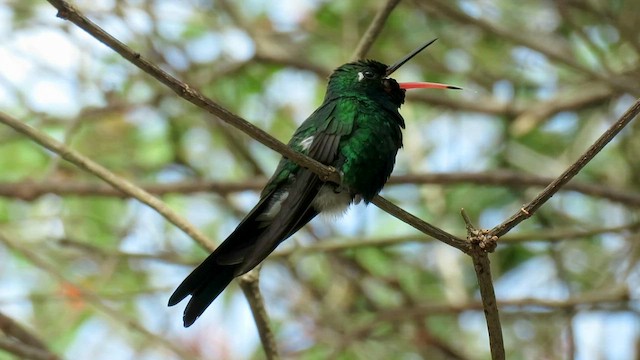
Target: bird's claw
{"points": [[483, 239]]}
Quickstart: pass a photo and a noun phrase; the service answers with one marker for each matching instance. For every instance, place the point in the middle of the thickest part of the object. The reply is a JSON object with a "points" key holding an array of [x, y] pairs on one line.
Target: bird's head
{"points": [[371, 78]]}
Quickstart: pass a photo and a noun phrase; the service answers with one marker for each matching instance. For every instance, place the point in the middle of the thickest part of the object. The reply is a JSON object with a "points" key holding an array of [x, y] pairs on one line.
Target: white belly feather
{"points": [[330, 202]]}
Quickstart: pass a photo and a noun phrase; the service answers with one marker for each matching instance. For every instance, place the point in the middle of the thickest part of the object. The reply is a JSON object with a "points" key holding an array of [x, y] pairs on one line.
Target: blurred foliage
{"points": [[542, 81]]}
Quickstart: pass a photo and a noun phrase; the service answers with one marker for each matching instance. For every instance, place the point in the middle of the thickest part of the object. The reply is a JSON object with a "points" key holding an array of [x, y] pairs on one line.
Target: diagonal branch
{"points": [[568, 174], [420, 225], [68, 12], [326, 173], [11, 328], [21, 342], [112, 179], [25, 351], [374, 29]]}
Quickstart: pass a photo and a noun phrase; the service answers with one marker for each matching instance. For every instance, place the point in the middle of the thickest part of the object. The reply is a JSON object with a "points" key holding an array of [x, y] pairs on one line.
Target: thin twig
{"points": [[481, 243], [528, 210], [420, 225], [112, 179], [249, 283], [515, 179], [374, 30]]}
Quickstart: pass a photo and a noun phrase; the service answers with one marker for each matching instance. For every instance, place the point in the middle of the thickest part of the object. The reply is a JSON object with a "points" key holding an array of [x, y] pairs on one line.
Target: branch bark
{"points": [[112, 179], [250, 285], [481, 243], [374, 30], [25, 351], [68, 12], [528, 210], [30, 190], [420, 225], [21, 342]]}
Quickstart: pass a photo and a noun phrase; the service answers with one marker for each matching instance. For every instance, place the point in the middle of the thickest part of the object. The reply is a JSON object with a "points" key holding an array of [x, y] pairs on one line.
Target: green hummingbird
{"points": [[357, 130]]}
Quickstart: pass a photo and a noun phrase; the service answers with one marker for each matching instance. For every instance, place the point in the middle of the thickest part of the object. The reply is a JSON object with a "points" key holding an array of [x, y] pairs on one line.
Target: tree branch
{"points": [[481, 244], [568, 174], [11, 328], [25, 351], [30, 190], [22, 342], [374, 30], [250, 285], [598, 300], [420, 225], [112, 179], [68, 12], [342, 244]]}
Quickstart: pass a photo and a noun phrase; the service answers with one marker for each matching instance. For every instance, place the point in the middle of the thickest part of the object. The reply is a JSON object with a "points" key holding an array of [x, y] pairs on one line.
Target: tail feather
{"points": [[214, 274], [252, 241], [204, 295], [207, 272]]}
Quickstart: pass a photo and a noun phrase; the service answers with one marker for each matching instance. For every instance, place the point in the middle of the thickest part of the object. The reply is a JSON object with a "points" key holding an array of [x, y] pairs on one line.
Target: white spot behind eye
{"points": [[360, 76]]}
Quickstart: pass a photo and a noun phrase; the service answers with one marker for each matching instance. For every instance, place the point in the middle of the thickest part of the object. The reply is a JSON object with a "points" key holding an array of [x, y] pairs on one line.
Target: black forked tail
{"points": [[250, 243], [215, 273], [204, 285]]}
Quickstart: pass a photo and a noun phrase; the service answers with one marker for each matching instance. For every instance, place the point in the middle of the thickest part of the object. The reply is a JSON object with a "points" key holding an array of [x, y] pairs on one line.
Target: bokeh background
{"points": [[89, 272]]}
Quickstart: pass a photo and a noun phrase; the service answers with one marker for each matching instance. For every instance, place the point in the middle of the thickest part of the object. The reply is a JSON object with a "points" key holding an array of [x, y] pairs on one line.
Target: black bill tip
{"points": [[408, 57]]}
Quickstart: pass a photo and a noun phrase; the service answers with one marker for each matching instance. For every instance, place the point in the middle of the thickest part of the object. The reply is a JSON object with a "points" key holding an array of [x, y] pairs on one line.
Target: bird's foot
{"points": [[479, 239], [483, 239]]}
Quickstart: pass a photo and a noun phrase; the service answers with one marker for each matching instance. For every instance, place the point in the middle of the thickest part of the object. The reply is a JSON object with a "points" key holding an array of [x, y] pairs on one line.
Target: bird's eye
{"points": [[365, 75]]}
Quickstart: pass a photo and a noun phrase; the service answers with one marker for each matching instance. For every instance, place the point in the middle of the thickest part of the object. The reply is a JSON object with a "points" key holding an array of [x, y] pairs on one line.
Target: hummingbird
{"points": [[357, 130]]}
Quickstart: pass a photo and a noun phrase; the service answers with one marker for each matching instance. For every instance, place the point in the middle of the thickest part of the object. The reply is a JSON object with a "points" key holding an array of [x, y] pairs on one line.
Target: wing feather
{"points": [[304, 189]]}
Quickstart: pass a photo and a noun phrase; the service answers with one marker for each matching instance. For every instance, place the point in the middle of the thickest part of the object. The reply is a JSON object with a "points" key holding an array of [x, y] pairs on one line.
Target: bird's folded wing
{"points": [[293, 209]]}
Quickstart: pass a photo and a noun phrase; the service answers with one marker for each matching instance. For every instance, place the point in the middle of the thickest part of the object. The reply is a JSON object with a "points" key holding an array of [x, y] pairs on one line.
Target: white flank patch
{"points": [[306, 143], [329, 202]]}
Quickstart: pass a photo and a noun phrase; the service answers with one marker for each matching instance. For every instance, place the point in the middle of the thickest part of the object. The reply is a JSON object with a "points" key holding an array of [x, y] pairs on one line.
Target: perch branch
{"points": [[528, 210], [481, 244]]}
